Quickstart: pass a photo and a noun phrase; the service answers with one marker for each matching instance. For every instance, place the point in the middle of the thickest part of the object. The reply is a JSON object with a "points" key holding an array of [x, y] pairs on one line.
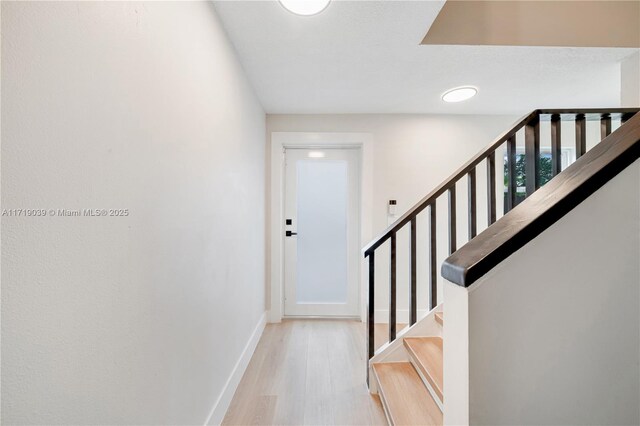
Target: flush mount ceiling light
{"points": [[305, 7], [459, 94]]}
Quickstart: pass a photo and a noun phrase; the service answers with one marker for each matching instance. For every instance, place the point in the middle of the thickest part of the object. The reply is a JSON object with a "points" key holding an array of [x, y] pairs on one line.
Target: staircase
{"points": [[407, 372], [409, 379]]}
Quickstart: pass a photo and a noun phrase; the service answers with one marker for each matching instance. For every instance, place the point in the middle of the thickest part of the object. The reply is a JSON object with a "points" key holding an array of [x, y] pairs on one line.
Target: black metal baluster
{"points": [[626, 116], [471, 182], [581, 135], [452, 219], [491, 188], [556, 144], [605, 126], [371, 349], [392, 290], [532, 155], [413, 303], [512, 185], [433, 277]]}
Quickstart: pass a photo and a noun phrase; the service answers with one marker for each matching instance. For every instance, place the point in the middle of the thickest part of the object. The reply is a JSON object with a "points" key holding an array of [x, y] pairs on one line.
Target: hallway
{"points": [[202, 200], [307, 372]]}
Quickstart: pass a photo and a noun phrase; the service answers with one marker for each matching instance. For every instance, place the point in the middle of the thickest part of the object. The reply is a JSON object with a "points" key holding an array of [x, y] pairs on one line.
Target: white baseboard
{"points": [[224, 400], [402, 315]]}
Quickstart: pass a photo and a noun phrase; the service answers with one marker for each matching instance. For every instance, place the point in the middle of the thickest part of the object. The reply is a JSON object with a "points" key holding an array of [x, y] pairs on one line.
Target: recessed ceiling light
{"points": [[459, 94], [316, 154], [305, 7]]}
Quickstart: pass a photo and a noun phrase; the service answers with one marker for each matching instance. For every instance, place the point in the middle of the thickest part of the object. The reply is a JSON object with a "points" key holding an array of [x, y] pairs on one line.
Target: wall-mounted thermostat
{"points": [[392, 207]]}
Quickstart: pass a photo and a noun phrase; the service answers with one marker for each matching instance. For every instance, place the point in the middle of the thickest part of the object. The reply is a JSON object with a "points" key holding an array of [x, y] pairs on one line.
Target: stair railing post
{"points": [[452, 219], [433, 277], [556, 144], [371, 349], [491, 188], [532, 155], [625, 117], [605, 125], [581, 135], [512, 185], [473, 216], [392, 289], [413, 290]]}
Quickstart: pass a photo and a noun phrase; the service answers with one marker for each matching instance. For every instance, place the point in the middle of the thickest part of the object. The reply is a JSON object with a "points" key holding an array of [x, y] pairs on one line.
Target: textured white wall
{"points": [[139, 106], [630, 81], [554, 330]]}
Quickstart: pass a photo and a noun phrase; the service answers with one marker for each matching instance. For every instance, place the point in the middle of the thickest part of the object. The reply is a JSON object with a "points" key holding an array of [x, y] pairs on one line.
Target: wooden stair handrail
{"points": [[545, 206]]}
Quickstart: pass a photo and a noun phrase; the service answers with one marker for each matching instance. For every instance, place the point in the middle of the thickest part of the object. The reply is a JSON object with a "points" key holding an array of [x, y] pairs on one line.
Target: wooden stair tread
{"points": [[427, 355], [405, 398], [440, 317]]}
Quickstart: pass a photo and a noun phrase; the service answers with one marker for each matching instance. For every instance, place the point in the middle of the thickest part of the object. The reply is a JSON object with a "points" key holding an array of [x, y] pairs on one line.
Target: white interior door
{"points": [[321, 242]]}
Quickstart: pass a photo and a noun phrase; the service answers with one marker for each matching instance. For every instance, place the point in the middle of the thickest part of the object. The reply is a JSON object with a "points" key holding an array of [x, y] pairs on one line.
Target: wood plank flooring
{"points": [[308, 372]]}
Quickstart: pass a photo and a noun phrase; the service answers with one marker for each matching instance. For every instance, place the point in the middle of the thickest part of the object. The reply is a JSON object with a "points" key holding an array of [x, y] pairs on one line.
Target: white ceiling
{"points": [[366, 57]]}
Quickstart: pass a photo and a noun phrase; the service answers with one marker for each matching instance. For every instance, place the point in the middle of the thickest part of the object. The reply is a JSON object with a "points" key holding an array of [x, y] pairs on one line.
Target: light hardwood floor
{"points": [[308, 372]]}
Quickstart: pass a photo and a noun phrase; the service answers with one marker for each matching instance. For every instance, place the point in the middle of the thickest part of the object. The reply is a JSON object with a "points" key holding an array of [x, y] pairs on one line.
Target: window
{"points": [[568, 156]]}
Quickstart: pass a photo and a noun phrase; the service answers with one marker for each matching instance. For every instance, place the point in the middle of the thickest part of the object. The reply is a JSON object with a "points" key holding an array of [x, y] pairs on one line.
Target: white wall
{"points": [[138, 319], [630, 81], [554, 330], [411, 155]]}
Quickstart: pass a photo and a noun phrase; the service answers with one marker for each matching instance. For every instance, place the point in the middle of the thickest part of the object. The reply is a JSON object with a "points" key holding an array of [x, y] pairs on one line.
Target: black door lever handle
{"points": [[290, 233]]}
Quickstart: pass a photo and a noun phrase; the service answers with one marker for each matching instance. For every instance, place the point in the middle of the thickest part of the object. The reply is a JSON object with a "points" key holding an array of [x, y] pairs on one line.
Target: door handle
{"points": [[290, 233]]}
